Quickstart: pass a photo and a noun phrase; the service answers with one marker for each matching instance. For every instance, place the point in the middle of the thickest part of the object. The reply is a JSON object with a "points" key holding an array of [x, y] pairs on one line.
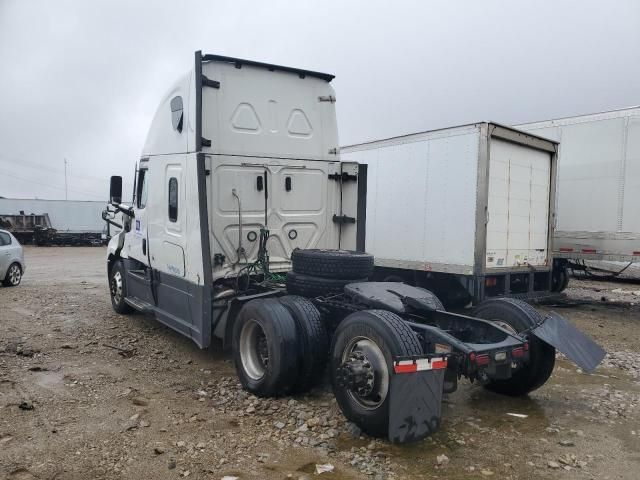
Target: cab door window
{"points": [[143, 189], [173, 199]]}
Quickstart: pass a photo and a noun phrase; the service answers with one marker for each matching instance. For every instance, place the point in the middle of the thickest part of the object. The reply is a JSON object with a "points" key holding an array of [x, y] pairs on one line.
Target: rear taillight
{"points": [[517, 352], [526, 346], [482, 360]]}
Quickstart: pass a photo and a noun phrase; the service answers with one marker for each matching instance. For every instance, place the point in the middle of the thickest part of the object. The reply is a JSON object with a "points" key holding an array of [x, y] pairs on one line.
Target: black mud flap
{"points": [[415, 403], [578, 347]]}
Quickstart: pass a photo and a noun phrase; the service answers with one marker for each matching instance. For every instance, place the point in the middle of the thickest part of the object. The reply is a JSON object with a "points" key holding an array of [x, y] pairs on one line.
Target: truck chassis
{"points": [[391, 349]]}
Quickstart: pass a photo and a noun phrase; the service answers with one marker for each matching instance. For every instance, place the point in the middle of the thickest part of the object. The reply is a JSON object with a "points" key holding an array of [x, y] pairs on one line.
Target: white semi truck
{"points": [[598, 185], [240, 182], [467, 212]]}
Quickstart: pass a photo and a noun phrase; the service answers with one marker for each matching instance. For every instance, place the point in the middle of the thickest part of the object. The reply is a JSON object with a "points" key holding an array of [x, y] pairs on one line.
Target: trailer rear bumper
{"points": [[518, 284]]}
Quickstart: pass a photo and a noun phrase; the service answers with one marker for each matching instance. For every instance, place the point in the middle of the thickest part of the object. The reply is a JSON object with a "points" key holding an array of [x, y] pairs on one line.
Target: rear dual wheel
{"points": [[279, 346], [265, 348], [361, 362], [517, 316]]}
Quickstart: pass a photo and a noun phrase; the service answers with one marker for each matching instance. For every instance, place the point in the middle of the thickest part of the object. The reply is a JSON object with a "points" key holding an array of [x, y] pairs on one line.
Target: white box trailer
{"points": [[464, 211], [598, 184]]}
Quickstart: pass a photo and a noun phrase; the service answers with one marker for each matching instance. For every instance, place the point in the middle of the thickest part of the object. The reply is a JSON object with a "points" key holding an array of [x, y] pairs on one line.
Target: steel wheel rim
{"points": [[505, 325], [14, 275], [116, 287], [254, 353], [376, 357]]}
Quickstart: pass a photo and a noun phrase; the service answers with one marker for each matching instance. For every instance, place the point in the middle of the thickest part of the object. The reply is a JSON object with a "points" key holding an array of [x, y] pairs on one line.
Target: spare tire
{"points": [[311, 287], [313, 347], [343, 264]]}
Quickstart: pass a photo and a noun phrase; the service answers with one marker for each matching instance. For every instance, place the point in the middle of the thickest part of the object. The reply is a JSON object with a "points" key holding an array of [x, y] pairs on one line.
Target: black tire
{"points": [[436, 301], [559, 280], [394, 338], [313, 345], [566, 279], [542, 356], [118, 289], [342, 264], [13, 277], [265, 326], [311, 287]]}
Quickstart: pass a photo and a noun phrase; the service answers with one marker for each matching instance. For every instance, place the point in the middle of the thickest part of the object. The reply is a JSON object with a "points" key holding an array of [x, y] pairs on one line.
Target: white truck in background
{"points": [[598, 185], [240, 183], [467, 212]]}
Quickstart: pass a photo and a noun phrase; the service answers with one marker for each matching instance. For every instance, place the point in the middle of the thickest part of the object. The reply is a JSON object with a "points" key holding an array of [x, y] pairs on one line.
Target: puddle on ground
{"points": [[50, 380]]}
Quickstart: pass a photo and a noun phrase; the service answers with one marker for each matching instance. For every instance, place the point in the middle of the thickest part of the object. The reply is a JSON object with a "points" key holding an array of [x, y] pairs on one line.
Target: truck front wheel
{"points": [[518, 316], [362, 353], [118, 288]]}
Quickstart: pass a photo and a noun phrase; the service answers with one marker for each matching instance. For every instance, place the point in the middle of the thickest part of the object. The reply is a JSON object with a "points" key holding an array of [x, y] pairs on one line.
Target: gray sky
{"points": [[82, 79]]}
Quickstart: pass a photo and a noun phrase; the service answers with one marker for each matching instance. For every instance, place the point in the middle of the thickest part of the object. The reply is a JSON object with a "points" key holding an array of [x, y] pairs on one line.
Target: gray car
{"points": [[12, 264]]}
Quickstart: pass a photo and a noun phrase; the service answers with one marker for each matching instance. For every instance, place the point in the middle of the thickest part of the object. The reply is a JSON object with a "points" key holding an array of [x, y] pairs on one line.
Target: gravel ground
{"points": [[86, 393]]}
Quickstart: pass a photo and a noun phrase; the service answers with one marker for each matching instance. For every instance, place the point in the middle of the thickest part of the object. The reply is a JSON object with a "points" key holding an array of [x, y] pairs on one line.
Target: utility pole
{"points": [[66, 197]]}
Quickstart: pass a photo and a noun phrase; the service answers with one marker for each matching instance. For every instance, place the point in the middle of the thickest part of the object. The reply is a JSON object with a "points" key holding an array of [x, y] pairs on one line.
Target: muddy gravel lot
{"points": [[86, 393]]}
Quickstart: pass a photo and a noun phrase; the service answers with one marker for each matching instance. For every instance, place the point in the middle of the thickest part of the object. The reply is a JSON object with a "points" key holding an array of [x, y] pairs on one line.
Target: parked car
{"points": [[12, 264]]}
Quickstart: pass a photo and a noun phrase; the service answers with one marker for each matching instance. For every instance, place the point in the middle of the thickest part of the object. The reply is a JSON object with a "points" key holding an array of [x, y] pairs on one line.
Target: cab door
{"points": [[139, 274], [137, 241]]}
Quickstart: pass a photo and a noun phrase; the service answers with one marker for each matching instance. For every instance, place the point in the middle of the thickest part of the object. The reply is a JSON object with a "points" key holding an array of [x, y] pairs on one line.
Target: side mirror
{"points": [[115, 190]]}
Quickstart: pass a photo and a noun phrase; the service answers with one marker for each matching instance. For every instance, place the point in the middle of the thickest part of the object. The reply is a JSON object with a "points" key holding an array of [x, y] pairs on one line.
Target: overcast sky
{"points": [[81, 79]]}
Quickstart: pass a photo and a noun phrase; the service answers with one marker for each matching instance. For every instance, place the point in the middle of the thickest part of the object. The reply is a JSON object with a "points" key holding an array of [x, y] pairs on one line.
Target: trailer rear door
{"points": [[518, 205]]}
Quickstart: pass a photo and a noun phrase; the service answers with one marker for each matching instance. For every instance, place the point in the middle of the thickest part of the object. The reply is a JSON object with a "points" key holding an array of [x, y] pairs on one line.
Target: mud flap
{"points": [[578, 347], [415, 402]]}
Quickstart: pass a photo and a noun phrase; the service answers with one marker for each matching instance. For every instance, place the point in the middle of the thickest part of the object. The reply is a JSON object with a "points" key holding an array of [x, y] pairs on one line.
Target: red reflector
{"points": [[437, 365], [526, 346], [588, 250], [420, 365], [482, 359], [409, 368], [517, 352], [564, 249], [490, 282]]}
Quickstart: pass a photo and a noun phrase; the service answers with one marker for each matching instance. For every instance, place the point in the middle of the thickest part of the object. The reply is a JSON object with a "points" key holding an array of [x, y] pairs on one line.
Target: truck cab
{"points": [[240, 167]]}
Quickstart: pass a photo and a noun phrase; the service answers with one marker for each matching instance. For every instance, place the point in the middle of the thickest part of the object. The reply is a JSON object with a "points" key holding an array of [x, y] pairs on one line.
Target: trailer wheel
{"points": [[362, 352], [519, 316], [313, 344], [309, 286], [265, 349], [118, 289], [344, 264], [559, 280]]}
